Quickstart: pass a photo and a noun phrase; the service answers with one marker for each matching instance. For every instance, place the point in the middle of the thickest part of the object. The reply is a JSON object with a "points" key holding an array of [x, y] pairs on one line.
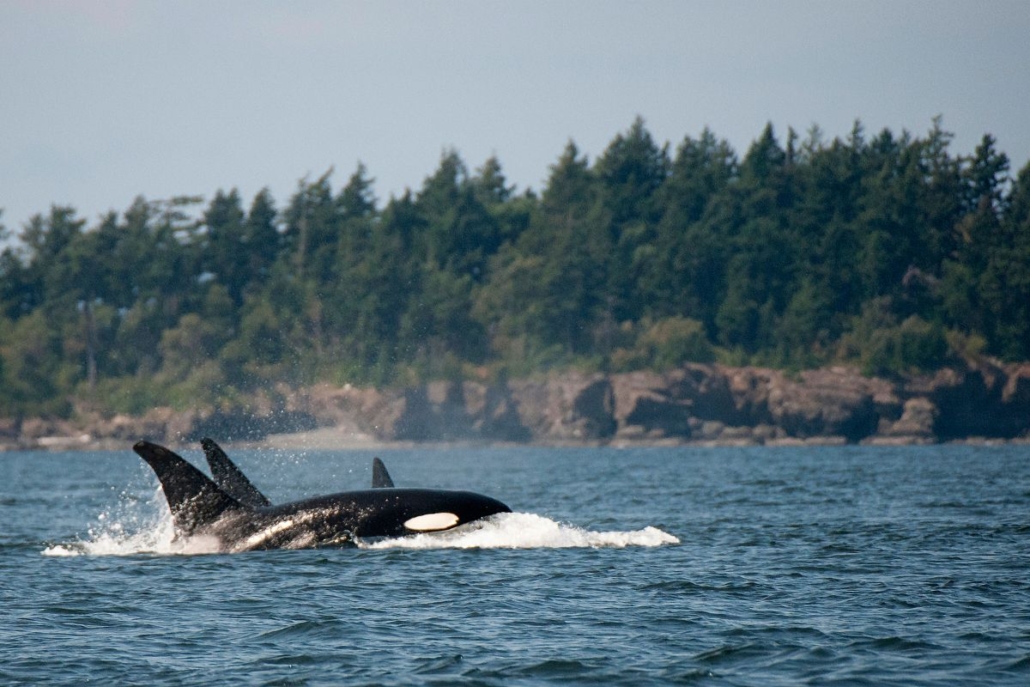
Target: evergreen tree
{"points": [[226, 253], [312, 229], [1005, 283], [686, 276], [261, 240], [630, 173]]}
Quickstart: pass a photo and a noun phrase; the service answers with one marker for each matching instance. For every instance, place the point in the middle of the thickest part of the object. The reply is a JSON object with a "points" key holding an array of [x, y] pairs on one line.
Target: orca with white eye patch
{"points": [[240, 518]]}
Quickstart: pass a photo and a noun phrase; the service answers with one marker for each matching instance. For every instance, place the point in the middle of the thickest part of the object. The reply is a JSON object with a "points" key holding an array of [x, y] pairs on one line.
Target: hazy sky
{"points": [[104, 101]]}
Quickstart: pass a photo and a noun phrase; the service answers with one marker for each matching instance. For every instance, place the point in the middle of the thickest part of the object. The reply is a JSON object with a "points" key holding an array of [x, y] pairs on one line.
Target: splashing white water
{"points": [[133, 527], [115, 540], [524, 531]]}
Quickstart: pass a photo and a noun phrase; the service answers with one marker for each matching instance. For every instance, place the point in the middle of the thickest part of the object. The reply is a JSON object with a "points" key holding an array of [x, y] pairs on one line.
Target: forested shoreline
{"points": [[887, 252]]}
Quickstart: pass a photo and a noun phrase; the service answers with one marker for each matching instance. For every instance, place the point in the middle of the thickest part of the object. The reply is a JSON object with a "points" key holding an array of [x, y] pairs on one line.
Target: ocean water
{"points": [[662, 566]]}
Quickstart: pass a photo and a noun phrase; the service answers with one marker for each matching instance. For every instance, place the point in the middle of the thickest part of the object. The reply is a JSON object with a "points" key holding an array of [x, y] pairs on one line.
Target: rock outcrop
{"points": [[705, 404]]}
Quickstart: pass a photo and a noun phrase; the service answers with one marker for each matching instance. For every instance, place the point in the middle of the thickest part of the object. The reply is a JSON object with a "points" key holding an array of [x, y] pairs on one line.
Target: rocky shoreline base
{"points": [[696, 404]]}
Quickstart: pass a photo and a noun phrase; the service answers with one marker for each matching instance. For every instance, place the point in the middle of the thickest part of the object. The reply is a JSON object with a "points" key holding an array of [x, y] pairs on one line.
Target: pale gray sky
{"points": [[104, 101]]}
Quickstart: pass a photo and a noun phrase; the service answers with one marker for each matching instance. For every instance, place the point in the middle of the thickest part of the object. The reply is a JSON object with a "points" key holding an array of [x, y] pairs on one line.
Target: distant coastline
{"points": [[696, 404]]}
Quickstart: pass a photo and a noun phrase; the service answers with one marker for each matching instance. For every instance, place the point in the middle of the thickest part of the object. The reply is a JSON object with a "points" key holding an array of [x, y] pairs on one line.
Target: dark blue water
{"points": [[858, 566]]}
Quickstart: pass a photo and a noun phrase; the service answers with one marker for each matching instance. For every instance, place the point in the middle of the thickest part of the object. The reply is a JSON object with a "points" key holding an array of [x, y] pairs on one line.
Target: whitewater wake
{"points": [[524, 531], [133, 527]]}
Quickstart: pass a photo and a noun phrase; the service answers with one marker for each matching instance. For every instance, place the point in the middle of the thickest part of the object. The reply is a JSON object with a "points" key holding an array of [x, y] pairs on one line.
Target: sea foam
{"points": [[524, 531]]}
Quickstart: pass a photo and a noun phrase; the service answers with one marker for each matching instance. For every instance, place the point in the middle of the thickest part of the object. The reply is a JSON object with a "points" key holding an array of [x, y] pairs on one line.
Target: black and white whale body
{"points": [[230, 510]]}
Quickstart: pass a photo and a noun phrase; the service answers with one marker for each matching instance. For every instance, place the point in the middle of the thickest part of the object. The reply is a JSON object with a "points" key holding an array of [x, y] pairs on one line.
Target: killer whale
{"points": [[229, 510]]}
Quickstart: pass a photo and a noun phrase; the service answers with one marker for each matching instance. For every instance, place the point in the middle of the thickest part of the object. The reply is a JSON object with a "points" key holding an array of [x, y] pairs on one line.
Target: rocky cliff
{"points": [[704, 404]]}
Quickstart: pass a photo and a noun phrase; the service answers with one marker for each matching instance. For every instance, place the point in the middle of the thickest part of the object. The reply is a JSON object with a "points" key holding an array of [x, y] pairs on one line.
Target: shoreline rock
{"points": [[697, 404]]}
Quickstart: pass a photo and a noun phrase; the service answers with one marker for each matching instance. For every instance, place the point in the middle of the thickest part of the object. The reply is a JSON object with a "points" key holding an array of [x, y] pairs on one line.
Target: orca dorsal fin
{"points": [[230, 478], [193, 499], [380, 477]]}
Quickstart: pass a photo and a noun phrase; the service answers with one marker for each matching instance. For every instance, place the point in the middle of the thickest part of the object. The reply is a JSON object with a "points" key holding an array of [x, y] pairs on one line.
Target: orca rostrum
{"points": [[232, 511]]}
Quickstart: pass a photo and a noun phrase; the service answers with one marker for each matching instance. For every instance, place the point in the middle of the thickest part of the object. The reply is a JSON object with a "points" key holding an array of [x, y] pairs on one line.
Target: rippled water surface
{"points": [[723, 566]]}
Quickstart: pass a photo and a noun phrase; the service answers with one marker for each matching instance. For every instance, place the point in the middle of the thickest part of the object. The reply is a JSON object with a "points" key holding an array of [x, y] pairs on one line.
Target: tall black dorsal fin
{"points": [[195, 501], [380, 477], [230, 478]]}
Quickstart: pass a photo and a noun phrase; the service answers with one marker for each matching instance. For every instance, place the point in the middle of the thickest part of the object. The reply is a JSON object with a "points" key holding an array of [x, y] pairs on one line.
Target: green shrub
{"points": [[666, 344]]}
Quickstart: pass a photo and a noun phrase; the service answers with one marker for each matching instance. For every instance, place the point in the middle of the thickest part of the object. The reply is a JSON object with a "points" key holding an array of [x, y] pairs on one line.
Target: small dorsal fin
{"points": [[380, 477], [193, 499], [230, 478]]}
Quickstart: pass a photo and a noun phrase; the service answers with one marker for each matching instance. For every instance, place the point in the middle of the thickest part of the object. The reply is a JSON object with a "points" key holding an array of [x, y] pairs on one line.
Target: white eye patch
{"points": [[431, 522]]}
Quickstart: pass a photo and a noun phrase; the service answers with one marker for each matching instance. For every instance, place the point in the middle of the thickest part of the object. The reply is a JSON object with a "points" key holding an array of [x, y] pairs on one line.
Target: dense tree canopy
{"points": [[886, 251]]}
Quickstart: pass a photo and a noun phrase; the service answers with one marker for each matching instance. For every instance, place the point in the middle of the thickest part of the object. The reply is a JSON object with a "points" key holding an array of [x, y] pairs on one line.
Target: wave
{"points": [[130, 528], [524, 531], [116, 541]]}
